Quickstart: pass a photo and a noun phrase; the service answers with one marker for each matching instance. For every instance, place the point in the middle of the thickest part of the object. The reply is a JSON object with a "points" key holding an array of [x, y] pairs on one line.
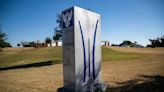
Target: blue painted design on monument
{"points": [[83, 52], [93, 53], [89, 55]]}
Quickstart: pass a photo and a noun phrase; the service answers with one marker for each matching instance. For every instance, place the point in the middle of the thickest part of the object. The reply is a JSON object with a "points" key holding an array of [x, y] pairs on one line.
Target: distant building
{"points": [[53, 44], [105, 43], [39, 45]]}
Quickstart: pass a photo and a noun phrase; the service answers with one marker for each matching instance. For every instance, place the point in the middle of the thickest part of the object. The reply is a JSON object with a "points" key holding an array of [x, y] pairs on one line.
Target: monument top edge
{"points": [[75, 6]]}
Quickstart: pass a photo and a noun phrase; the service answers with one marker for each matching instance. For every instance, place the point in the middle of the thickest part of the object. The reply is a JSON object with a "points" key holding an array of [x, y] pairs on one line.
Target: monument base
{"points": [[63, 90], [97, 88]]}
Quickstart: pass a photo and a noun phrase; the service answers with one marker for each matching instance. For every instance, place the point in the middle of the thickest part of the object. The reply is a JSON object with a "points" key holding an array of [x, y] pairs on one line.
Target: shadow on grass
{"points": [[43, 63], [146, 84]]}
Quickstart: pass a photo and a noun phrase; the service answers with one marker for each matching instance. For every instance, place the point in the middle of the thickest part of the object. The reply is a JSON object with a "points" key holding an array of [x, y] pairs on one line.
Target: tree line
{"points": [[3, 39], [158, 42], [127, 43], [48, 40]]}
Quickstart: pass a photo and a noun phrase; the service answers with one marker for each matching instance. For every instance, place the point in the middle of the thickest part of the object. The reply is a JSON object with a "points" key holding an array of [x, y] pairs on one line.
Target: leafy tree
{"points": [[2, 39], [27, 44], [32, 44], [24, 43], [162, 41], [58, 35], [114, 45], [127, 43], [48, 40], [58, 30], [18, 45], [158, 42], [3, 42], [6, 44]]}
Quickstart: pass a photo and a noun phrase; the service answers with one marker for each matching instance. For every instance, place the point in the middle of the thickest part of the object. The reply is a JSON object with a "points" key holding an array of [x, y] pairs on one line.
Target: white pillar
{"points": [[81, 49]]}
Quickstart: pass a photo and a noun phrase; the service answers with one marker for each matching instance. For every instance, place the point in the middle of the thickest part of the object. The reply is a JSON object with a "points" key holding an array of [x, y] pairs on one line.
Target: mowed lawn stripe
{"points": [[109, 54], [14, 58], [23, 57]]}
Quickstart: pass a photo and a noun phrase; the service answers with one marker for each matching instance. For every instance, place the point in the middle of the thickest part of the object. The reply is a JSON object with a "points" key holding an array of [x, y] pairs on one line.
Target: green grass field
{"points": [[109, 54], [23, 57], [120, 67]]}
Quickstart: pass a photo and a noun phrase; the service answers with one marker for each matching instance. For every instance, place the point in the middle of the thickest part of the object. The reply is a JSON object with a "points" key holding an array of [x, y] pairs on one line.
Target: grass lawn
{"points": [[14, 58], [109, 54]]}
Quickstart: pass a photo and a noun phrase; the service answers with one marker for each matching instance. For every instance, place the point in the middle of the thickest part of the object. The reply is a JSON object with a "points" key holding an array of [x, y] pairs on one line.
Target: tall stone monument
{"points": [[81, 50]]}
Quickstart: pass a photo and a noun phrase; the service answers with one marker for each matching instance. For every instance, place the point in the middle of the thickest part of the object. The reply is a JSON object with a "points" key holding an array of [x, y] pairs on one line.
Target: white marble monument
{"points": [[81, 50]]}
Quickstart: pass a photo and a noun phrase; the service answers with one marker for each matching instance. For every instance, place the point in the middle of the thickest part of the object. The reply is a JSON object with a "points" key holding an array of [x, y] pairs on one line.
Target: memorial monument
{"points": [[81, 51]]}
